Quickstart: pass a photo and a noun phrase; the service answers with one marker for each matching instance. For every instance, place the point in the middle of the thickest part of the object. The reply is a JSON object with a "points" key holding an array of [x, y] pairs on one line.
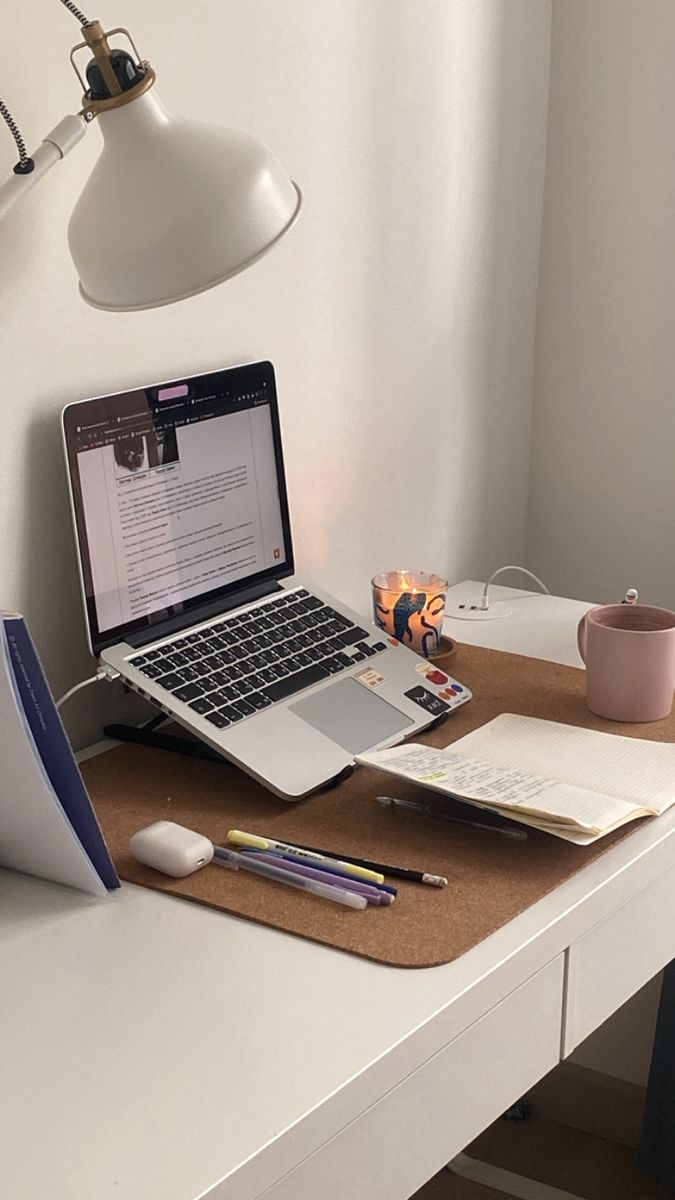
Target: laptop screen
{"points": [[179, 496]]}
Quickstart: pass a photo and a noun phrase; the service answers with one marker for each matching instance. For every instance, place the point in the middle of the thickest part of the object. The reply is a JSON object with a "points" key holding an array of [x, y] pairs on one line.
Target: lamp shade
{"points": [[173, 207]]}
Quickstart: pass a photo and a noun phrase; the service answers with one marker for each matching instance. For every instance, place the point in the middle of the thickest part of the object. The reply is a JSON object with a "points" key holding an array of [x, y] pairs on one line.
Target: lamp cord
{"points": [[24, 158], [25, 163], [77, 12]]}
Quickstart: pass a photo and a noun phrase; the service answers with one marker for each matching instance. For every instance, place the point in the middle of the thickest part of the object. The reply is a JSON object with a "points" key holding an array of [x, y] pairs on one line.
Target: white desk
{"points": [[153, 1049], [539, 626]]}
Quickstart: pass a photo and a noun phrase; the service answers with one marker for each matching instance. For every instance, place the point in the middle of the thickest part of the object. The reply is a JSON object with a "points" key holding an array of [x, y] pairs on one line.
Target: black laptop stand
{"points": [[145, 735]]}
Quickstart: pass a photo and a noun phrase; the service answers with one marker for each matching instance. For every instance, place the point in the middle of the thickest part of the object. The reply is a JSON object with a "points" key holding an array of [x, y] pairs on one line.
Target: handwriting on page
{"points": [[636, 770], [468, 776], [507, 787]]}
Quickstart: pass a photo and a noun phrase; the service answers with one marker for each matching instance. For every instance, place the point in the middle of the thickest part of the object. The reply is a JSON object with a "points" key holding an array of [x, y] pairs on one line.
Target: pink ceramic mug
{"points": [[629, 652]]}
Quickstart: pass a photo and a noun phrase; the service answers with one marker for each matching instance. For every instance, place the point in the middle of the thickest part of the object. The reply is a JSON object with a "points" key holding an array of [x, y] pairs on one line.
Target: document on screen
{"points": [[198, 519]]}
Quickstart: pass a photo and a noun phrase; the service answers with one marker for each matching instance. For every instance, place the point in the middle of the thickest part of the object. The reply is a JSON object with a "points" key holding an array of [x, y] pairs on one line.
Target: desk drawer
{"points": [[403, 1139], [616, 957]]}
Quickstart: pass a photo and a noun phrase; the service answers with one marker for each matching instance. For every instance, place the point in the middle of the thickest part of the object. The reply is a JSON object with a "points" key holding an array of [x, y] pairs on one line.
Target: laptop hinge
{"points": [[196, 615]]}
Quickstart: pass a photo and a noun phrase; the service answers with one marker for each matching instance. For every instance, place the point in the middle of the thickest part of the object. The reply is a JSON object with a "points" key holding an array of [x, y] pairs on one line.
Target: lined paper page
{"points": [[631, 769]]}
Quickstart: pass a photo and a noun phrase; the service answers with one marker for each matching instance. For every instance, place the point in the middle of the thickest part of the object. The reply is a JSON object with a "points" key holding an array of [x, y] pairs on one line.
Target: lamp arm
{"points": [[54, 147]]}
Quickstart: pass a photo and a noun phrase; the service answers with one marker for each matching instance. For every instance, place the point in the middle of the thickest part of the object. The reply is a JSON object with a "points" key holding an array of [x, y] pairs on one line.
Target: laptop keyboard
{"points": [[244, 663]]}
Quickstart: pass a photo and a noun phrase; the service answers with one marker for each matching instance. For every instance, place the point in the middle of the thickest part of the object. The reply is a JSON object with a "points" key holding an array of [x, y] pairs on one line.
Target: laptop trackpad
{"points": [[351, 715]]}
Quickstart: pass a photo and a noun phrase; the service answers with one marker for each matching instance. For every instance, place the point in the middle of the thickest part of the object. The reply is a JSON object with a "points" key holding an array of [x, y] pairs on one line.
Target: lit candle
{"points": [[409, 605]]}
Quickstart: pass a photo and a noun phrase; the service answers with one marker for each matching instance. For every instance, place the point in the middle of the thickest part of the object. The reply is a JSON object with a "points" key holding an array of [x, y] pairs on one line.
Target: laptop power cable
{"points": [[103, 672]]}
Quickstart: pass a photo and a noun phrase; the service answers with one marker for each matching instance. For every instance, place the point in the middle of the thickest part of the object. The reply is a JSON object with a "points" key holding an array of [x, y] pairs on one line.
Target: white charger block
{"points": [[171, 848]]}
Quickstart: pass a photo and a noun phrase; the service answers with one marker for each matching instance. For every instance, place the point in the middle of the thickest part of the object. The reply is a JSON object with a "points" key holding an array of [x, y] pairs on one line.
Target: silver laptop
{"points": [[183, 532]]}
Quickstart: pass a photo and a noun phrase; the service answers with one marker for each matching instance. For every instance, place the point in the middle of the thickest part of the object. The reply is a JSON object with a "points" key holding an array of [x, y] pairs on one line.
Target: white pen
{"points": [[240, 862], [254, 842]]}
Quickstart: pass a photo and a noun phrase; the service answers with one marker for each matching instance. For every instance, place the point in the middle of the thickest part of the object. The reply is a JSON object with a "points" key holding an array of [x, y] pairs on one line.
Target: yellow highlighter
{"points": [[251, 841]]}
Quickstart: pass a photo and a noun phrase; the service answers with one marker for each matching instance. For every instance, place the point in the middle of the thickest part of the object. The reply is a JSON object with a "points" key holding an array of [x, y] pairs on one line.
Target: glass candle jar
{"points": [[409, 605]]}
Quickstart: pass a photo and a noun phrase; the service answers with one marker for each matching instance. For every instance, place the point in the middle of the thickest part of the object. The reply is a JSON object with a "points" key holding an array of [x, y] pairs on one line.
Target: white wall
{"points": [[602, 495], [601, 513], [399, 313]]}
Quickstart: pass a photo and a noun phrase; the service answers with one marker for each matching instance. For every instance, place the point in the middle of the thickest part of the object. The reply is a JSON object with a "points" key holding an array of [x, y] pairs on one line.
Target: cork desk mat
{"points": [[490, 878]]}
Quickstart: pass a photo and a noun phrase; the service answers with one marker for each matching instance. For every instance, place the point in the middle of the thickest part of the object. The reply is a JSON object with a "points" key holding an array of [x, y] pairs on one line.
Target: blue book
{"points": [[52, 746]]}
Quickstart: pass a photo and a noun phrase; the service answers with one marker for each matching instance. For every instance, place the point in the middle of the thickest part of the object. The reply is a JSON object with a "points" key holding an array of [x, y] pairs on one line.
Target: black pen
{"points": [[519, 835], [395, 872]]}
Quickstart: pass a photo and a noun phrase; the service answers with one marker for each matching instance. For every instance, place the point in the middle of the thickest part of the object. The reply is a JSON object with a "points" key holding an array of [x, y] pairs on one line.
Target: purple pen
{"points": [[372, 893], [323, 868]]}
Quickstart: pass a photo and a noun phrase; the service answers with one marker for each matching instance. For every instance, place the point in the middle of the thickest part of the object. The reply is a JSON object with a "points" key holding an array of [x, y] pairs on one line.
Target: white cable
{"points": [[485, 604], [102, 673]]}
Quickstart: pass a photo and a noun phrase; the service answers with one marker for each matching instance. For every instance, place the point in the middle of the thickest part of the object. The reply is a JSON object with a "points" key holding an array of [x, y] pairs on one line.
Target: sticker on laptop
{"points": [[431, 673], [370, 677], [427, 700]]}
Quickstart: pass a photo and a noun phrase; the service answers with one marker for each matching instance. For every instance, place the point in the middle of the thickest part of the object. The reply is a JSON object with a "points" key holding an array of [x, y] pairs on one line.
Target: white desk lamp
{"points": [[172, 206]]}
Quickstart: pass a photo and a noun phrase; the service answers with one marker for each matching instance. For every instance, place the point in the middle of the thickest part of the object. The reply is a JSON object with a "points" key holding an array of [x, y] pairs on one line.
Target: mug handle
{"points": [[581, 637]]}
